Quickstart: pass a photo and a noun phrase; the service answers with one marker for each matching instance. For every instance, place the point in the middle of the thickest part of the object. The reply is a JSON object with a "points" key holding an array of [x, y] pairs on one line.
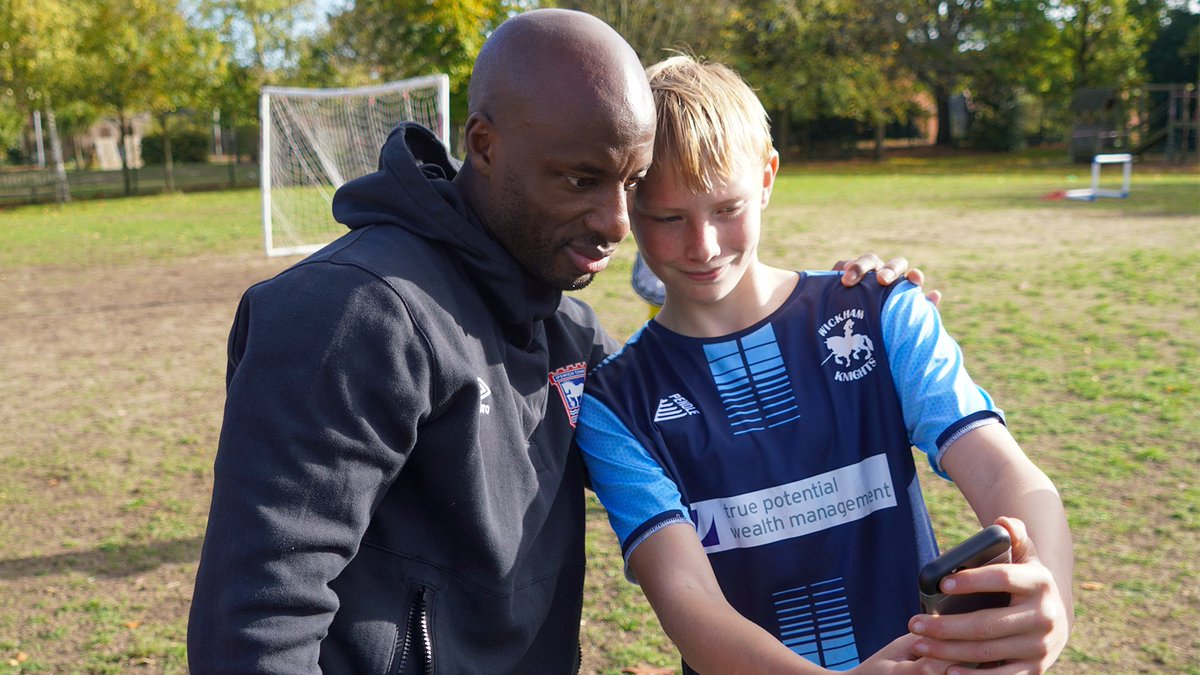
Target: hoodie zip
{"points": [[417, 628]]}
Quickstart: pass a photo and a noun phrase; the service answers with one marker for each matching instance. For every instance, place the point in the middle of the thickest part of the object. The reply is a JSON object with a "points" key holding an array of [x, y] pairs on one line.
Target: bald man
{"points": [[394, 487]]}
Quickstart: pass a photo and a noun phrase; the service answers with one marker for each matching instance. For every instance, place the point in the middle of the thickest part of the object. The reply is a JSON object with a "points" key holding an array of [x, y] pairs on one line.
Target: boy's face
{"points": [[702, 245]]}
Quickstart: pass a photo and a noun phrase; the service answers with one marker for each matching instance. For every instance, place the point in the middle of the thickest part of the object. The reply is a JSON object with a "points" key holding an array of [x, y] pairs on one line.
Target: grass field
{"points": [[1081, 319]]}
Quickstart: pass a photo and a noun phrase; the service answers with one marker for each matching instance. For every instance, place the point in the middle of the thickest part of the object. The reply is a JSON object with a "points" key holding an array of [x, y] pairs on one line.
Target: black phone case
{"points": [[988, 546]]}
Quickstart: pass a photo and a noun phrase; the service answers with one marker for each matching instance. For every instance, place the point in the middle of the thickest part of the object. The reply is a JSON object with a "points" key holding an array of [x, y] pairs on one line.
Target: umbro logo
{"points": [[673, 407], [485, 392]]}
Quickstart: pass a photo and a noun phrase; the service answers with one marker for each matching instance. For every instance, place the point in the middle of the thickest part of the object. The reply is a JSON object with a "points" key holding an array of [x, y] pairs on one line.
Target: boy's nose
{"points": [[702, 243]]}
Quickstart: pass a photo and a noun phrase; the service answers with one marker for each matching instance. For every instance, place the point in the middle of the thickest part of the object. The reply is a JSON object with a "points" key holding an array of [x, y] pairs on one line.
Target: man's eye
{"points": [[580, 182], [632, 183]]}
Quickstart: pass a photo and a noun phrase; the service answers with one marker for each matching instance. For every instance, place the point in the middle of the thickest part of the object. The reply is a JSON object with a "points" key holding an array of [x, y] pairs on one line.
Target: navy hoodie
{"points": [[395, 489]]}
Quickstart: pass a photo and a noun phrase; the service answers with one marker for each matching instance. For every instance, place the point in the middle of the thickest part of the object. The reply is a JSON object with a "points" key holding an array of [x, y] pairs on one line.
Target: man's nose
{"points": [[610, 218]]}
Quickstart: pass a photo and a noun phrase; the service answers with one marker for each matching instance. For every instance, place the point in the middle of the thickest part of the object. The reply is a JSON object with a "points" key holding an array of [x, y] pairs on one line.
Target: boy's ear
{"points": [[769, 172], [480, 135]]}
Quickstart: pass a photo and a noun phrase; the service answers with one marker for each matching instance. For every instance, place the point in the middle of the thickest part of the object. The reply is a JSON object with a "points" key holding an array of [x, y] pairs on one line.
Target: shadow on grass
{"points": [[106, 561]]}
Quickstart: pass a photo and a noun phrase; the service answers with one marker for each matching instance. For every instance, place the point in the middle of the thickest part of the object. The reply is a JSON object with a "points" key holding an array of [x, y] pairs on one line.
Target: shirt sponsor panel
{"points": [[795, 509]]}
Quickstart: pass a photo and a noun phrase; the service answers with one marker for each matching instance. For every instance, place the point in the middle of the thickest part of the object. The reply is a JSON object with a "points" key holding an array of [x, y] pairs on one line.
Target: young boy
{"points": [[752, 442]]}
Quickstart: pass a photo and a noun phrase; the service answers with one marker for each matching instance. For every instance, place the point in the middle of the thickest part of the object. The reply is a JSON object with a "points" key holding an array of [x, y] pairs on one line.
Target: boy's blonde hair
{"points": [[709, 122]]}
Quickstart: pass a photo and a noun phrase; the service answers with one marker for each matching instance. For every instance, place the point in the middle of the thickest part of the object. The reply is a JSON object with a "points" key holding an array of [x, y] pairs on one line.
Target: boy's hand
{"points": [[1026, 637], [886, 273], [897, 658]]}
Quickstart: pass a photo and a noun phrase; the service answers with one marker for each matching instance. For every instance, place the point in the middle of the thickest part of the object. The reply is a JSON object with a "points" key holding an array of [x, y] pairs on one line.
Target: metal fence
{"points": [[36, 186]]}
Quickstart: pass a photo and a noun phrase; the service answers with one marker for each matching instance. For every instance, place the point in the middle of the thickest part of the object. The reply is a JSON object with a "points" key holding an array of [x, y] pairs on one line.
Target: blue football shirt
{"points": [[788, 447]]}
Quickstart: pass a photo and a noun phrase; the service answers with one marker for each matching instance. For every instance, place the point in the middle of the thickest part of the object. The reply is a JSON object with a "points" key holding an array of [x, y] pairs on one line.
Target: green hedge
{"points": [[186, 146]]}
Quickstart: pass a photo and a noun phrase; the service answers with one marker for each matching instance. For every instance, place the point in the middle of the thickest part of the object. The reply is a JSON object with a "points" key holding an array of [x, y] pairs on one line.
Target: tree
{"points": [[138, 56], [776, 51], [12, 123], [184, 81], [74, 117], [396, 39], [190, 72], [324, 61], [654, 28], [261, 34], [822, 65], [939, 43], [1105, 41], [867, 81], [1019, 86], [1174, 54], [38, 65], [408, 38], [261, 40]]}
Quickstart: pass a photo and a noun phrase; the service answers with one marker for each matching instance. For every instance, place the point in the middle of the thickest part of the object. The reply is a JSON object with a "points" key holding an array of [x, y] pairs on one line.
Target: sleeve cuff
{"points": [[645, 531], [959, 429]]}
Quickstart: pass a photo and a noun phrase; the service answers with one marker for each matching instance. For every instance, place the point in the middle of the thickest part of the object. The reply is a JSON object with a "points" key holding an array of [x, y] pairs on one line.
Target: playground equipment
{"points": [[1091, 194], [1098, 125], [1168, 121], [1157, 119]]}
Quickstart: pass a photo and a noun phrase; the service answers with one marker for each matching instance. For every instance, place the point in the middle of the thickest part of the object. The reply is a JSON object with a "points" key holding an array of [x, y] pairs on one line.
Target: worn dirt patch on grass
{"points": [[112, 401]]}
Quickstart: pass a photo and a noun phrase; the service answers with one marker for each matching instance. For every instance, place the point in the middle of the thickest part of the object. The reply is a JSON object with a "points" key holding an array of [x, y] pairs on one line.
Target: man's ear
{"points": [[769, 172], [480, 139]]}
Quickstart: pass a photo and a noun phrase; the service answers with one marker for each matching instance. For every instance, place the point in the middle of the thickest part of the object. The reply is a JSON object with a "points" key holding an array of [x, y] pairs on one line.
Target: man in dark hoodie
{"points": [[394, 487]]}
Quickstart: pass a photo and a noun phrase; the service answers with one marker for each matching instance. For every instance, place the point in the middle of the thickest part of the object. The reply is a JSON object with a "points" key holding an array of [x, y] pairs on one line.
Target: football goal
{"points": [[314, 140]]}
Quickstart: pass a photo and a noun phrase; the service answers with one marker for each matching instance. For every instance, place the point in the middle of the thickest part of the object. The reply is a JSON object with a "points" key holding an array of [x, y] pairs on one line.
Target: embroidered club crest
{"points": [[569, 381], [853, 353]]}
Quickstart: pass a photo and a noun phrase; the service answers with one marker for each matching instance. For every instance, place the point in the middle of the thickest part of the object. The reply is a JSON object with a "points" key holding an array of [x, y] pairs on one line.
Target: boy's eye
{"points": [[580, 182], [730, 210], [665, 219]]}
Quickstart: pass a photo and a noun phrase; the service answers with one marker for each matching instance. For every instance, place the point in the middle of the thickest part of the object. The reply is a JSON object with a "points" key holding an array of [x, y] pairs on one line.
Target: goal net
{"points": [[314, 140]]}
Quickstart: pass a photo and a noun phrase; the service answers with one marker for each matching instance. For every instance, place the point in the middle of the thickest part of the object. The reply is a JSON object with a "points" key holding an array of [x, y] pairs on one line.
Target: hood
{"points": [[413, 190]]}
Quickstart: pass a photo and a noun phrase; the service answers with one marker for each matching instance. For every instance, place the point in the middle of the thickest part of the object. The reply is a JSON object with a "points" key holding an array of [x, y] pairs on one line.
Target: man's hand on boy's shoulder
{"points": [[854, 270]]}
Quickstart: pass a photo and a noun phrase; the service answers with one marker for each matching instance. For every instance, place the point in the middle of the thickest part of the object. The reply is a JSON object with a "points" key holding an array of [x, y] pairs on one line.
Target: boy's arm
{"points": [[1001, 483], [711, 635]]}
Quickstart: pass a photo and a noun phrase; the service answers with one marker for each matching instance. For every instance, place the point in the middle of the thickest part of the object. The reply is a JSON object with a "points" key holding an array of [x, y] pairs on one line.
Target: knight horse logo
{"points": [[569, 381], [852, 353]]}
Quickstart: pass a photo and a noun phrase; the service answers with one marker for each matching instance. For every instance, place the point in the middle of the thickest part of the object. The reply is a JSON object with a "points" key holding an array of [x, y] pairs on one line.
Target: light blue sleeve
{"points": [[630, 483], [938, 397]]}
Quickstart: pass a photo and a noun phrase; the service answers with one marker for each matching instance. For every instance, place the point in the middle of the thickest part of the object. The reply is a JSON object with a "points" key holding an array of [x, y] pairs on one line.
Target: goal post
{"points": [[314, 140]]}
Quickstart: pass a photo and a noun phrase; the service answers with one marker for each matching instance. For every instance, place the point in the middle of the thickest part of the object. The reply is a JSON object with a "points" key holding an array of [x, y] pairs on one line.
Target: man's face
{"points": [[561, 187]]}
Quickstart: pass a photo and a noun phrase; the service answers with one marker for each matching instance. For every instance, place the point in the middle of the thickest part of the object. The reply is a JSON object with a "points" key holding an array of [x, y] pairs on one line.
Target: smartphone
{"points": [[989, 546]]}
